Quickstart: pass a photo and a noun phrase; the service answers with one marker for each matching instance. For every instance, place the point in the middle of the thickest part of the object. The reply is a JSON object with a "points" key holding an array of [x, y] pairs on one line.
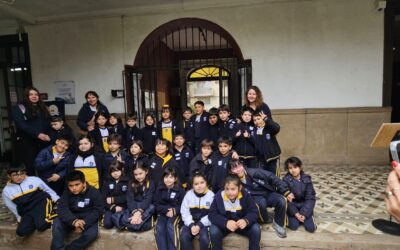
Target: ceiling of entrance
{"points": [[34, 11]]}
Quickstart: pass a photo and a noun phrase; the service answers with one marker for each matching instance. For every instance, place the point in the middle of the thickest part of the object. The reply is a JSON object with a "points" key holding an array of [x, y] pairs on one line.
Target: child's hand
{"points": [[118, 209], [136, 218], [290, 197], [231, 225], [242, 224], [195, 230], [170, 213], [80, 224], [54, 178], [302, 218], [78, 230], [299, 217], [235, 155], [57, 160], [246, 134], [119, 158], [238, 133], [263, 116], [109, 200]]}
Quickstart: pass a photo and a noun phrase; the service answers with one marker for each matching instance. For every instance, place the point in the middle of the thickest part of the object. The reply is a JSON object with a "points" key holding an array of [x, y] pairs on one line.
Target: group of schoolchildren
{"points": [[207, 176]]}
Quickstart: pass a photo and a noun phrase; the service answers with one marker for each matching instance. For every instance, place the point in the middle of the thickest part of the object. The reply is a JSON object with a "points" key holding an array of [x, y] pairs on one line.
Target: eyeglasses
{"points": [[18, 174]]}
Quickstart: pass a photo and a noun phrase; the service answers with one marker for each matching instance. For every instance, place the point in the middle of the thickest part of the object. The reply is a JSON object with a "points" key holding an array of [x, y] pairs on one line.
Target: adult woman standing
{"points": [[88, 111], [32, 122], [254, 100]]}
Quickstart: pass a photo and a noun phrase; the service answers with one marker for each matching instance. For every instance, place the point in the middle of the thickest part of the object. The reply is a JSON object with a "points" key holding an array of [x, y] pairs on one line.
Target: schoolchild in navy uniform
{"points": [[86, 120], [161, 160], [268, 150], [194, 210], [200, 121], [100, 133], [301, 209], [135, 155], [132, 132], [234, 211], [167, 202], [51, 163], [114, 192], [60, 128], [115, 125], [243, 141], [79, 210], [220, 162], [149, 134], [29, 199], [267, 190], [167, 127], [88, 161], [201, 163], [188, 127], [213, 129], [139, 215], [115, 152], [183, 155], [226, 123]]}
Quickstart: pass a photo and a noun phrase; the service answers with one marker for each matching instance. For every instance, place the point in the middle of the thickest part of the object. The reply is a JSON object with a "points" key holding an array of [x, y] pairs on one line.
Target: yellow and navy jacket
{"points": [[100, 141], [195, 208], [267, 146], [87, 206], [142, 199], [167, 198], [167, 130], [156, 165], [117, 192], [91, 166], [222, 209], [22, 198], [261, 182], [304, 193]]}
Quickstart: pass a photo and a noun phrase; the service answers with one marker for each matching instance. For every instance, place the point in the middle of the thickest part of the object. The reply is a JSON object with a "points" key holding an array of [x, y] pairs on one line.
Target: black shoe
{"points": [[386, 226]]}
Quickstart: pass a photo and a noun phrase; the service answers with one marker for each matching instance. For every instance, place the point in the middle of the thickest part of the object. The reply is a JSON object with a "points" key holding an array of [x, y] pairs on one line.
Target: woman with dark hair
{"points": [[32, 122], [254, 100], [88, 111]]}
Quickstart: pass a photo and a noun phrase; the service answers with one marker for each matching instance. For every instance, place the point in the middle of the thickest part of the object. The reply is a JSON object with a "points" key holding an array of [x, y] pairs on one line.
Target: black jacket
{"points": [[86, 114], [28, 125], [140, 200], [130, 135], [168, 198], [131, 162], [262, 182], [116, 190], [148, 136], [220, 166], [244, 146], [267, 147], [87, 206], [156, 166], [67, 131], [304, 193], [198, 165], [200, 126], [183, 159], [226, 128]]}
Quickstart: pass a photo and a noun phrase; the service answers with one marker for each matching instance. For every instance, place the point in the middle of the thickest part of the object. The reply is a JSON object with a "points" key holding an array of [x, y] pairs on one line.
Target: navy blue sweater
{"points": [[227, 128], [45, 166], [166, 198], [246, 209], [115, 190], [244, 146], [87, 206], [142, 199], [267, 147], [86, 114], [304, 193]]}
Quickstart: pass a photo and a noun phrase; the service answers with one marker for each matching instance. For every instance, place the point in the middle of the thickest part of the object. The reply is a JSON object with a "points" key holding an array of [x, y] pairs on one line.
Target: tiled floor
{"points": [[348, 198]]}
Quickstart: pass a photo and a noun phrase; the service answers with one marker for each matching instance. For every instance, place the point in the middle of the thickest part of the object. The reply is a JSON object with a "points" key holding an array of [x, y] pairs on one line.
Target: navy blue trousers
{"points": [[309, 223], [167, 232], [60, 230], [187, 238], [252, 232], [274, 200]]}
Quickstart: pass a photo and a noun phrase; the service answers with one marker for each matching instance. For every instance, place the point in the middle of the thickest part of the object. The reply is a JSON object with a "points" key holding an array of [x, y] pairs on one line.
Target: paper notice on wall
{"points": [[66, 91]]}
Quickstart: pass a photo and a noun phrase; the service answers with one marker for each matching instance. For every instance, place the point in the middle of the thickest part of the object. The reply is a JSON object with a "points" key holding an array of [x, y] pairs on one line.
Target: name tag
{"points": [[153, 133], [172, 195], [81, 204], [111, 186], [219, 163]]}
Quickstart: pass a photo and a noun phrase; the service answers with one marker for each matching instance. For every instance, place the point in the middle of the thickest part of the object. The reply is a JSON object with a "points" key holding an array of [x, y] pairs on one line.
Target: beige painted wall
{"points": [[305, 54]]}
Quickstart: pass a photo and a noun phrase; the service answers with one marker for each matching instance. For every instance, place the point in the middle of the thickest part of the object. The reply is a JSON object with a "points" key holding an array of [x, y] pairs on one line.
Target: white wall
{"points": [[305, 54]]}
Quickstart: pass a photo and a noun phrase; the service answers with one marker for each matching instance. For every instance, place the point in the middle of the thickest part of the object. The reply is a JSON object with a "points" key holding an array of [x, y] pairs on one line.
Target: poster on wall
{"points": [[66, 91]]}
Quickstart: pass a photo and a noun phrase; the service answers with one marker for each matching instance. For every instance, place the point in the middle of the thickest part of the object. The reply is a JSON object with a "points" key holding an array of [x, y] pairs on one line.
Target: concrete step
{"points": [[113, 239]]}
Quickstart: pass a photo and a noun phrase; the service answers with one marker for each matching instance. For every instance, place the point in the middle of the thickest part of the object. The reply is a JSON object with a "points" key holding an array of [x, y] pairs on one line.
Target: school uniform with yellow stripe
{"points": [[32, 203]]}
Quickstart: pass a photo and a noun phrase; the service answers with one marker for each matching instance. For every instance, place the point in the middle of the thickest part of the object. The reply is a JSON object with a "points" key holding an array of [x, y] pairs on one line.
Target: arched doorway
{"points": [[170, 60]]}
